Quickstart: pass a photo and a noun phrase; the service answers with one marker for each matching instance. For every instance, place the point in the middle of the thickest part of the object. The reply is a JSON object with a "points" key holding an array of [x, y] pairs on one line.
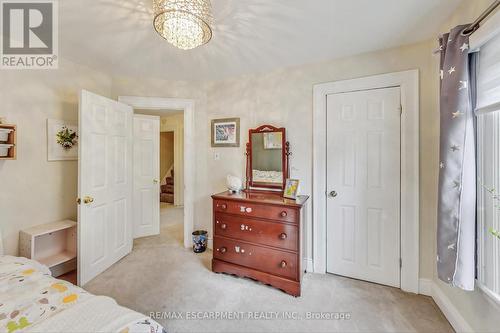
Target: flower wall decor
{"points": [[62, 140], [67, 138]]}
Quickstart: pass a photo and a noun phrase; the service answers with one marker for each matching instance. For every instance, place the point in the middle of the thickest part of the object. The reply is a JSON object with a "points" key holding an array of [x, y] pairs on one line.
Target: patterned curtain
{"points": [[457, 177]]}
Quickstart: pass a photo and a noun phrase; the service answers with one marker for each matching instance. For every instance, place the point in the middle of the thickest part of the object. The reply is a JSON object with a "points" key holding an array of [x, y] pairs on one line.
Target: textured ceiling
{"points": [[117, 36]]}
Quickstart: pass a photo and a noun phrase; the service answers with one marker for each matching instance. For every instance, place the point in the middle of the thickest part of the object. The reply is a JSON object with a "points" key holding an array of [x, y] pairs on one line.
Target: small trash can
{"points": [[200, 241]]}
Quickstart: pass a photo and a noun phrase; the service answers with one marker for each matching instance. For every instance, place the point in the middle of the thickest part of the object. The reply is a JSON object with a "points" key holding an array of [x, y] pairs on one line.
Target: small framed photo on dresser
{"points": [[291, 189]]}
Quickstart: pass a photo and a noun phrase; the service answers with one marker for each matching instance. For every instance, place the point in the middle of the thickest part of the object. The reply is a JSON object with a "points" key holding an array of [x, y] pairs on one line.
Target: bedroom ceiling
{"points": [[117, 36]]}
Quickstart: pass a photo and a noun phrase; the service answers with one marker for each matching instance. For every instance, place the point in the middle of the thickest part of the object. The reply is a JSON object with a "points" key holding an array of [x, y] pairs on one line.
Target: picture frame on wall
{"points": [[291, 189], [226, 132], [62, 140]]}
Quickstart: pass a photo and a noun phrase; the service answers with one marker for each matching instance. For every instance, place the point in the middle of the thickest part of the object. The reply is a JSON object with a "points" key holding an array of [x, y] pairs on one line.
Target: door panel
{"points": [[105, 176], [146, 175], [363, 168]]}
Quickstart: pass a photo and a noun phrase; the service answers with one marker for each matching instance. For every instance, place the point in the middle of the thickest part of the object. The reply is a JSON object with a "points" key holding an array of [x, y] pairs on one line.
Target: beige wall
{"points": [[33, 190], [166, 153]]}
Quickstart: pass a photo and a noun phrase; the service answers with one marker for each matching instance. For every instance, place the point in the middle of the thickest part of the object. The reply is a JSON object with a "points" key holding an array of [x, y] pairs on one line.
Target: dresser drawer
{"points": [[280, 235], [263, 259], [277, 213]]}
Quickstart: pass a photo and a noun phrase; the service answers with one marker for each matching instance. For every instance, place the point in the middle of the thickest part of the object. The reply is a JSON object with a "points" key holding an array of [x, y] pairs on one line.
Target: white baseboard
{"points": [[425, 287], [308, 264], [457, 321]]}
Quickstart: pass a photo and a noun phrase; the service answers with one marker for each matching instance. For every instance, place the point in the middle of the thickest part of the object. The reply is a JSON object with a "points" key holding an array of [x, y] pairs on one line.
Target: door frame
{"points": [[408, 82], [188, 106]]}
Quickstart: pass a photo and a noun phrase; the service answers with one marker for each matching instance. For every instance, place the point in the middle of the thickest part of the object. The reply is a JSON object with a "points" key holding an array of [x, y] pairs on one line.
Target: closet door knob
{"points": [[333, 194], [283, 264], [283, 214], [283, 236]]}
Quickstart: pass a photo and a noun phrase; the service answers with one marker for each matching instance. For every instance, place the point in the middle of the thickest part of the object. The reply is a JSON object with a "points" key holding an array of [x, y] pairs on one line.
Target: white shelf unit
{"points": [[52, 244]]}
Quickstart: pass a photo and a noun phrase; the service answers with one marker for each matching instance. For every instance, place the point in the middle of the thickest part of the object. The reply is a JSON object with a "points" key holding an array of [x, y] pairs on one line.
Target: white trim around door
{"points": [[408, 82], [187, 105]]}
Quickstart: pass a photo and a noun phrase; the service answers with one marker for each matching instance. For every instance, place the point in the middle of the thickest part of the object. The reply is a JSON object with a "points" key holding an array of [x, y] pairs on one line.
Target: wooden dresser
{"points": [[257, 234]]}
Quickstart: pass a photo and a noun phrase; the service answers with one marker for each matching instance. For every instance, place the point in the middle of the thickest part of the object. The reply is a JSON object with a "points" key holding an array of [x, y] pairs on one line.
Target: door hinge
{"points": [[400, 262]]}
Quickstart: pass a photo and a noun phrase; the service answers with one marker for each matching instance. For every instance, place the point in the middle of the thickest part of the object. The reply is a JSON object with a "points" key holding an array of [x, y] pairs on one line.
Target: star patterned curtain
{"points": [[457, 176]]}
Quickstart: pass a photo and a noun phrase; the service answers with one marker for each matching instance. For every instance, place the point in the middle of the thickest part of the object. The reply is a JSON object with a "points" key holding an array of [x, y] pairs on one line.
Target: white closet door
{"points": [[104, 184], [146, 175], [363, 181]]}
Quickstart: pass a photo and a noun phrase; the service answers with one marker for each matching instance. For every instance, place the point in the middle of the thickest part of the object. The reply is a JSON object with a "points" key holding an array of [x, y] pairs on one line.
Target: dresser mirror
{"points": [[267, 158]]}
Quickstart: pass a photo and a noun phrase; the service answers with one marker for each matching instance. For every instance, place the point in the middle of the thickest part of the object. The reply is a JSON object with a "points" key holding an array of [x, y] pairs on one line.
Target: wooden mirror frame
{"points": [[285, 153]]}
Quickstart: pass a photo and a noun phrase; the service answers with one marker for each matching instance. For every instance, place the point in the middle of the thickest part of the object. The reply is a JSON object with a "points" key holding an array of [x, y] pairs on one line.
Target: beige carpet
{"points": [[162, 276]]}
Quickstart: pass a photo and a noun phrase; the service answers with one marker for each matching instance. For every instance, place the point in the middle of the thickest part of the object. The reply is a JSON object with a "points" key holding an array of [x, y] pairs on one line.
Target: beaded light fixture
{"points": [[186, 24]]}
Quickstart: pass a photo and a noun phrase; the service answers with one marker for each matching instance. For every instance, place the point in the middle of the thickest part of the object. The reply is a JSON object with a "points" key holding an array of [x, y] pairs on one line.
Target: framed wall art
{"points": [[62, 140], [226, 132]]}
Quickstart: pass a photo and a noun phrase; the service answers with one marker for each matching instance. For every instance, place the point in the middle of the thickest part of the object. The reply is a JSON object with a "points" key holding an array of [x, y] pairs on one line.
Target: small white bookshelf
{"points": [[52, 244]]}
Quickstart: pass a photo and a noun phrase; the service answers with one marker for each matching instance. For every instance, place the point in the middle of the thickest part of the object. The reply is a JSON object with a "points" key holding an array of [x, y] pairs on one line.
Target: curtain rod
{"points": [[474, 25]]}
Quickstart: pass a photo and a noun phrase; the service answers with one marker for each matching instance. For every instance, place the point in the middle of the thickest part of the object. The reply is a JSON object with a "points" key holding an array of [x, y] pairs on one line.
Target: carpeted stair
{"points": [[167, 190]]}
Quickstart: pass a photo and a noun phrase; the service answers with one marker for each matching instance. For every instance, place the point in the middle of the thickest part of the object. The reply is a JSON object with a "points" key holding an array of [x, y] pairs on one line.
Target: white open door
{"points": [[146, 175], [104, 184], [363, 179]]}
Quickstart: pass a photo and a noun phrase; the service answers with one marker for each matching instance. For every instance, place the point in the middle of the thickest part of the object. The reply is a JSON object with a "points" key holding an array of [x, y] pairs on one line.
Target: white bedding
{"points": [[267, 176], [33, 301]]}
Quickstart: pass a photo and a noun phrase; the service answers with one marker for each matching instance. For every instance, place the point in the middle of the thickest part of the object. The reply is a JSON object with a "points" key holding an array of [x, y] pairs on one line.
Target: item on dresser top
{"points": [[258, 234], [200, 238], [267, 158], [291, 188], [234, 184]]}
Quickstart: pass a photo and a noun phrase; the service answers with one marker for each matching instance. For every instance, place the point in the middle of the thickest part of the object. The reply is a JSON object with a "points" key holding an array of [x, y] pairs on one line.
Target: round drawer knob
{"points": [[224, 206], [283, 214], [283, 264], [223, 250], [223, 226], [283, 236]]}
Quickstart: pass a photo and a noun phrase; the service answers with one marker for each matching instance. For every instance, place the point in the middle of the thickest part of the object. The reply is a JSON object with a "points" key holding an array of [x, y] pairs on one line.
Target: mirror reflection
{"points": [[267, 164]]}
